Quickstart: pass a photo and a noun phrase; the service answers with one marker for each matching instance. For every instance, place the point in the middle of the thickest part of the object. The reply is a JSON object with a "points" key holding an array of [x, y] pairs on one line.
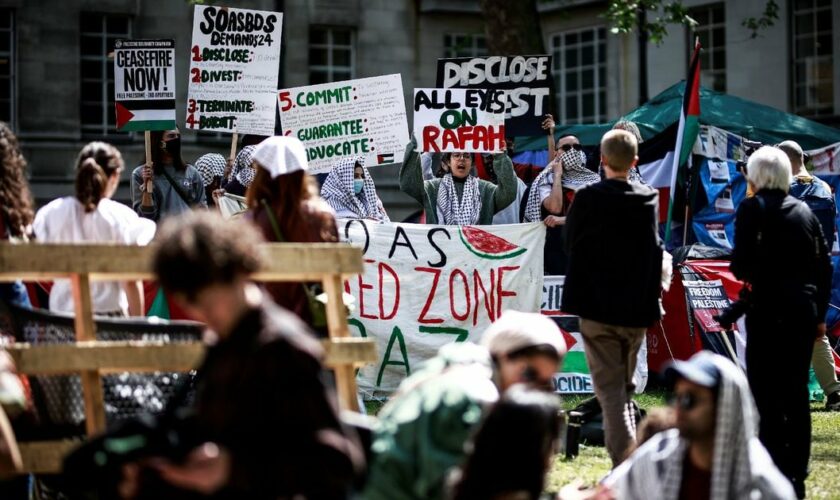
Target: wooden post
{"points": [[233, 140], [345, 375], [86, 330], [146, 198]]}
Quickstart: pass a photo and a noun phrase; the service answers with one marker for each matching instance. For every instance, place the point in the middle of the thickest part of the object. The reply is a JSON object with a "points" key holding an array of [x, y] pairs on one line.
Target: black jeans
{"points": [[780, 338]]}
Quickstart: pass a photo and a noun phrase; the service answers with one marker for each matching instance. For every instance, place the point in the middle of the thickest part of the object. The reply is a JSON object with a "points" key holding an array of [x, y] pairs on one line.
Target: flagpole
{"points": [[687, 202]]}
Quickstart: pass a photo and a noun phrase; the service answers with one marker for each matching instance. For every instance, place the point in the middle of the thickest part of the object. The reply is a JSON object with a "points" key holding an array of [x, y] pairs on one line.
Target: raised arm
{"points": [[506, 188], [411, 173]]}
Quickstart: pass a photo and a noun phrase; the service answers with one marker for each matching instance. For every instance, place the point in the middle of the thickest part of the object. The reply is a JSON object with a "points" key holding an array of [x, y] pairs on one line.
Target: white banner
{"points": [[468, 120], [424, 286], [364, 117], [234, 64]]}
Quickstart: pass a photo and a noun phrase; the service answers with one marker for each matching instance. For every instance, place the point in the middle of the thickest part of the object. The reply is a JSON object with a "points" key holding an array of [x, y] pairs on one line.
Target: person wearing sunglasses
{"points": [[714, 452], [458, 198]]}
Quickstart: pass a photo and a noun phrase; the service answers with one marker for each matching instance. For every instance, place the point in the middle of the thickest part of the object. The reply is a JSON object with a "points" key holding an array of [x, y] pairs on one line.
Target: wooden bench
{"points": [[89, 358]]}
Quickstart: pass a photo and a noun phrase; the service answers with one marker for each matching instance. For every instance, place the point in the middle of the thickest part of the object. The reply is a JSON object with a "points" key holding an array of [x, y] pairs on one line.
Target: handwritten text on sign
{"points": [[527, 80], [364, 117], [424, 286], [144, 84], [470, 120], [234, 63]]}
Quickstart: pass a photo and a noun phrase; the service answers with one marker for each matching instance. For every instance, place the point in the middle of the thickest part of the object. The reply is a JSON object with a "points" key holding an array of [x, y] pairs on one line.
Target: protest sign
{"points": [[527, 80], [364, 117], [144, 84], [706, 299], [234, 63], [449, 120], [573, 377], [424, 286]]}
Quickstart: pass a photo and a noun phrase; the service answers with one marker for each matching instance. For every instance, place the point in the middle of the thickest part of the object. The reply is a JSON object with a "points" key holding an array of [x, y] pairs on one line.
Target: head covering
{"points": [[453, 211], [210, 166], [575, 173], [740, 464], [281, 155], [337, 191], [515, 330], [243, 159], [699, 370], [245, 176]]}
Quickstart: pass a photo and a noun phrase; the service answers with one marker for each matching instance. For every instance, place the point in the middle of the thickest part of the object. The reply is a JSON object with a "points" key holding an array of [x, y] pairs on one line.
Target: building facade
{"points": [[56, 79]]}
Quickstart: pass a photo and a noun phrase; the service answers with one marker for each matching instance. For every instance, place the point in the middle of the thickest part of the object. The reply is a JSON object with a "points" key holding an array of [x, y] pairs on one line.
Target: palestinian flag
{"points": [[385, 159], [687, 132], [139, 115]]}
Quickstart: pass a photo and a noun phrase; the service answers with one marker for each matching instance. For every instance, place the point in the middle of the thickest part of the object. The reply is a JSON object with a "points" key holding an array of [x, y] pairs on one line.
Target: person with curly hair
{"points": [[16, 213]]}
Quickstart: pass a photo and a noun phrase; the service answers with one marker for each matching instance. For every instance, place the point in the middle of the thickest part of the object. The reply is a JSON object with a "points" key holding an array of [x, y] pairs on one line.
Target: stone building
{"points": [[56, 81]]}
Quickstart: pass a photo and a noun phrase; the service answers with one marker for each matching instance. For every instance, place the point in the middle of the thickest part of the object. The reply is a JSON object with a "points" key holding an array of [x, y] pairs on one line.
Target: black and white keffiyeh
{"points": [[243, 159], [453, 212], [533, 207], [338, 192], [210, 166], [575, 173], [245, 176]]}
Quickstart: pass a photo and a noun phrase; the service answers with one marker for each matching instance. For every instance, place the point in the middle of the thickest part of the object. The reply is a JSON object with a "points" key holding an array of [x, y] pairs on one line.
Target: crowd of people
{"points": [[477, 420]]}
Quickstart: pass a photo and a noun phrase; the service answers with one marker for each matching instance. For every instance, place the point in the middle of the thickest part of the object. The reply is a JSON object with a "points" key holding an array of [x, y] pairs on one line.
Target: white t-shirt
{"points": [[64, 221], [545, 189]]}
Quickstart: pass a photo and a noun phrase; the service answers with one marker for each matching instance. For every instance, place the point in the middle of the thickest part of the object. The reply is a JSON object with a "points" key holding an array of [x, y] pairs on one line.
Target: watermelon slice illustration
{"points": [[488, 246]]}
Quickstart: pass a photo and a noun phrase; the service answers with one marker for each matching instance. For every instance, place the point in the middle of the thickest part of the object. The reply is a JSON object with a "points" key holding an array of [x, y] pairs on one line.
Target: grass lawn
{"points": [[823, 483]]}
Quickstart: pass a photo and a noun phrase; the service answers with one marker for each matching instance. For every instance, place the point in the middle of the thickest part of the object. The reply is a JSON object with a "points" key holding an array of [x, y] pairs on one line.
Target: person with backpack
{"points": [[817, 194]]}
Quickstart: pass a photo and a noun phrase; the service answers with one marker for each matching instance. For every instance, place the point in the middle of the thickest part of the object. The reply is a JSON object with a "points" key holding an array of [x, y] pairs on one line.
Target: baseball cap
{"points": [[515, 330], [699, 369], [281, 155]]}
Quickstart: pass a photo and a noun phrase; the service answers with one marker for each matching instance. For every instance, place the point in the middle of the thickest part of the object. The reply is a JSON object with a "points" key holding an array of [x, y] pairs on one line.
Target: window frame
{"points": [[811, 109], [560, 72], [714, 49], [105, 59], [330, 68], [474, 49]]}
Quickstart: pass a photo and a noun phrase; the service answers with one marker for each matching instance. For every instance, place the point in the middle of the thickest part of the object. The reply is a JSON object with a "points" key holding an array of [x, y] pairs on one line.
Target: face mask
{"points": [[358, 184], [573, 159], [173, 147]]}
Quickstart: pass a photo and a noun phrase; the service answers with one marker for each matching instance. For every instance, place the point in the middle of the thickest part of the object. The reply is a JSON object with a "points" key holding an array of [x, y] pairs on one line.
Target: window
{"points": [[711, 29], [8, 67], [813, 89], [455, 45], [98, 34], [580, 75], [331, 55]]}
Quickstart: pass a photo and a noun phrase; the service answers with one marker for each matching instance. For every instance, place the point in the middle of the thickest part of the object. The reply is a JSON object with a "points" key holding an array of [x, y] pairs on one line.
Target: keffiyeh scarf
{"points": [[575, 173], [338, 192], [533, 207], [243, 159], [453, 212], [210, 166]]}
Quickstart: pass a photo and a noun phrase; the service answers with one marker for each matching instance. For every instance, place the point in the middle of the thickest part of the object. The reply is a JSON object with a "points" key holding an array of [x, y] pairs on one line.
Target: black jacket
{"points": [[780, 250], [615, 254]]}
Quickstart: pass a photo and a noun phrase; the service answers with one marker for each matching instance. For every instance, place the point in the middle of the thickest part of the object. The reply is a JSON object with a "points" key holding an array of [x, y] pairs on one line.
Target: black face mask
{"points": [[173, 147]]}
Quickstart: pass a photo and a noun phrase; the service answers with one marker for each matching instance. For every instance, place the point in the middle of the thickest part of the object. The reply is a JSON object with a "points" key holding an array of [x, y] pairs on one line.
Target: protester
{"points": [[283, 202], [92, 217], [786, 307], [175, 185], [16, 213], [633, 175], [512, 449], [817, 194], [243, 172], [713, 452], [266, 419], [657, 420], [424, 427], [350, 191], [458, 198], [613, 281], [211, 167]]}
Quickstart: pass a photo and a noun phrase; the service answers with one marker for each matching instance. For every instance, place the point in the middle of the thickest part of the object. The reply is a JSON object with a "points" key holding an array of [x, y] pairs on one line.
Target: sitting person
{"points": [[458, 198], [350, 191], [512, 449], [714, 452], [260, 404], [424, 427]]}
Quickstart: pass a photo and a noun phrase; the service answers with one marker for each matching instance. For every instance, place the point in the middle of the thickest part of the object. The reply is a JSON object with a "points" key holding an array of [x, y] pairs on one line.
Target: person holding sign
{"points": [[283, 202], [166, 185], [350, 191], [212, 168], [91, 216], [458, 198]]}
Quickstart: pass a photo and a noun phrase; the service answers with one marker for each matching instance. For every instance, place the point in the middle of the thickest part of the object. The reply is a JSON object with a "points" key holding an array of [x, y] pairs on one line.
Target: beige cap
{"points": [[281, 155], [516, 330]]}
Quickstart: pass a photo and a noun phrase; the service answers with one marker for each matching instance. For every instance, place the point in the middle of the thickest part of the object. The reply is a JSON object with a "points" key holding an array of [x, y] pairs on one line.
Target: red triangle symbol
{"points": [[570, 340], [124, 115]]}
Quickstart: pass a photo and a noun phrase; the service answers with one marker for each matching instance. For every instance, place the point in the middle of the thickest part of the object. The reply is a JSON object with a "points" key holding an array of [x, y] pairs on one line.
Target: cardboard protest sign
{"points": [[234, 63], [469, 120], [424, 286], [706, 299], [364, 117], [144, 84], [527, 79]]}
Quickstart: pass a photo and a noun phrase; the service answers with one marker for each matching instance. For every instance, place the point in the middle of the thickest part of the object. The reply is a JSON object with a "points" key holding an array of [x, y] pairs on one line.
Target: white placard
{"points": [[469, 120]]}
